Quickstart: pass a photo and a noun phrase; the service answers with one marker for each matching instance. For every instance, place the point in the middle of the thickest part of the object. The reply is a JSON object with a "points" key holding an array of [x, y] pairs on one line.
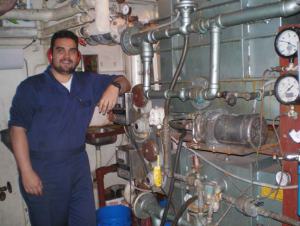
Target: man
{"points": [[48, 120]]}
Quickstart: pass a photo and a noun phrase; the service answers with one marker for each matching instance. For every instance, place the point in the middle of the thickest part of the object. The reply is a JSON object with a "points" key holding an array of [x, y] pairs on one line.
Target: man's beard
{"points": [[64, 71]]}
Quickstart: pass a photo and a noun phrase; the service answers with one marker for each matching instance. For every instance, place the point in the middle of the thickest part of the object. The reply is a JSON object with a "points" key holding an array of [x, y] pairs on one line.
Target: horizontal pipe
{"points": [[66, 24], [266, 11], [42, 14], [286, 8], [154, 36], [18, 32], [15, 41]]}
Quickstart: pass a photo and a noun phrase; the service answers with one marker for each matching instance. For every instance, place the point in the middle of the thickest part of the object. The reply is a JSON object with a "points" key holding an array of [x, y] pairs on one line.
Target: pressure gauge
{"points": [[287, 89], [286, 43], [283, 178], [125, 9]]}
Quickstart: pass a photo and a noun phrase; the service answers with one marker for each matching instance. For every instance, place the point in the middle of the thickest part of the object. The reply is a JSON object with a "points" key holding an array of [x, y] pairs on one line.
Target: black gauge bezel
{"points": [[296, 30], [276, 92]]}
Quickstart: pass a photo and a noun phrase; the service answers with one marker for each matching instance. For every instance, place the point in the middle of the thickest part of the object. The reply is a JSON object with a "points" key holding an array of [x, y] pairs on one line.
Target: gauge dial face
{"points": [[125, 9], [286, 43], [283, 178], [287, 89]]}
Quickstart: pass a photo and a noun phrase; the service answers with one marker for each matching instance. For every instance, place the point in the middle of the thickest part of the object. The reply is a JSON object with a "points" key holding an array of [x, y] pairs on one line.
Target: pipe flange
{"points": [[186, 4], [126, 42], [143, 200]]}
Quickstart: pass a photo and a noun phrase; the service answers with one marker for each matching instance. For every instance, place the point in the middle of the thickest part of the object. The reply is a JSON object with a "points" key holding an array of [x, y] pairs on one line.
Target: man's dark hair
{"points": [[63, 34]]}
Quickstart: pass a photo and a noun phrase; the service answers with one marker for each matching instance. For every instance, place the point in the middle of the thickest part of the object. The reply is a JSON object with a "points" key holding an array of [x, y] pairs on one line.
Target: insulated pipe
{"points": [[42, 14], [15, 41], [147, 60], [18, 32], [101, 24], [212, 91], [66, 24]]}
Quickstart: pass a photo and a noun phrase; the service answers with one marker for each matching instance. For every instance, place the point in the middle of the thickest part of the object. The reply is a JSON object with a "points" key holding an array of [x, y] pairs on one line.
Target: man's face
{"points": [[65, 56]]}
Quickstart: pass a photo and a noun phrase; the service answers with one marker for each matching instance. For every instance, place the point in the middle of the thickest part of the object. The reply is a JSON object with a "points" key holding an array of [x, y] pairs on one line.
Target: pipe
{"points": [[100, 173], [101, 24], [166, 128], [172, 181], [15, 41], [183, 208], [66, 24], [212, 91], [247, 206], [43, 14], [153, 36], [18, 32], [266, 11], [226, 172], [145, 205], [147, 60]]}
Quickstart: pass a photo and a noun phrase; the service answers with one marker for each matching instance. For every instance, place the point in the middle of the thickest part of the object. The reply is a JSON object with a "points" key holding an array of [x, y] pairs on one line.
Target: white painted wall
{"points": [[12, 212]]}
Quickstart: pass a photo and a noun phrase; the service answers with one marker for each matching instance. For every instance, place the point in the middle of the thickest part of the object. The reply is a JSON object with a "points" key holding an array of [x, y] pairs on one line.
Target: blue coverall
{"points": [[56, 121]]}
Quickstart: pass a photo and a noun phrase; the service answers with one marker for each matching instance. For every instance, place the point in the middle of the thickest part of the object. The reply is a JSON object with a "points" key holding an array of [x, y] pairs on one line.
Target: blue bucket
{"points": [[114, 216]]}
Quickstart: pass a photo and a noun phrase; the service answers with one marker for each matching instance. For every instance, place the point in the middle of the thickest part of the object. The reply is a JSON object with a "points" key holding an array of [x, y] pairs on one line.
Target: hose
{"points": [[166, 128], [183, 209], [178, 71], [171, 187]]}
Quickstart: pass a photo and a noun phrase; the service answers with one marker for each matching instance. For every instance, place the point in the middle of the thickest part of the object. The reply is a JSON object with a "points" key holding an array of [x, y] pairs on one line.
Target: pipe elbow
{"points": [[290, 7], [211, 93], [146, 91]]}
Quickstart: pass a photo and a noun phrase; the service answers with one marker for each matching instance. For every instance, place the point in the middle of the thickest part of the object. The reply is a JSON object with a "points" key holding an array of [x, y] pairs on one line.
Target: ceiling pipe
{"points": [[266, 11], [102, 23], [43, 14], [18, 32], [70, 23], [199, 25], [15, 41]]}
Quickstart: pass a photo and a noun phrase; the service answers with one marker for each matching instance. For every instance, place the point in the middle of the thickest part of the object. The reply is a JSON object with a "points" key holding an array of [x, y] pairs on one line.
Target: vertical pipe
{"points": [[212, 91], [100, 173], [147, 60]]}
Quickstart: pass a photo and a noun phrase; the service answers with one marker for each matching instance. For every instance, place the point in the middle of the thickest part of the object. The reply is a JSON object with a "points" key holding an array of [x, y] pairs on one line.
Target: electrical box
{"points": [[129, 164]]}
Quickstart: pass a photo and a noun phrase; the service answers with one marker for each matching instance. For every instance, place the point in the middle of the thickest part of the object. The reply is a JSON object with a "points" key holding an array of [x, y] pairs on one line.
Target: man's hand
{"points": [[109, 99], [32, 183]]}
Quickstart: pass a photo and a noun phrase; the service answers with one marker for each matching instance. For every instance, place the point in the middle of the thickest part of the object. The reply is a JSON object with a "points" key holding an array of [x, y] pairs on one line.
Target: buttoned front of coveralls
{"points": [[56, 121]]}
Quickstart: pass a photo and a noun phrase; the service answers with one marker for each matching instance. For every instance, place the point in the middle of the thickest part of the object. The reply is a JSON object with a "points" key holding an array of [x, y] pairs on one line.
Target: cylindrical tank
{"points": [[247, 129]]}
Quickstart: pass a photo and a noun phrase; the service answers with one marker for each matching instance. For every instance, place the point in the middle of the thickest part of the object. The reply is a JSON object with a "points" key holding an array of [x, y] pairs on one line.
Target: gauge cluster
{"points": [[287, 88]]}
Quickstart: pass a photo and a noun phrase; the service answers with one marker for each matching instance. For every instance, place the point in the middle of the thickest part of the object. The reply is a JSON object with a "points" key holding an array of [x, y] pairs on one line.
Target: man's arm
{"points": [[31, 181], [124, 84], [110, 96]]}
